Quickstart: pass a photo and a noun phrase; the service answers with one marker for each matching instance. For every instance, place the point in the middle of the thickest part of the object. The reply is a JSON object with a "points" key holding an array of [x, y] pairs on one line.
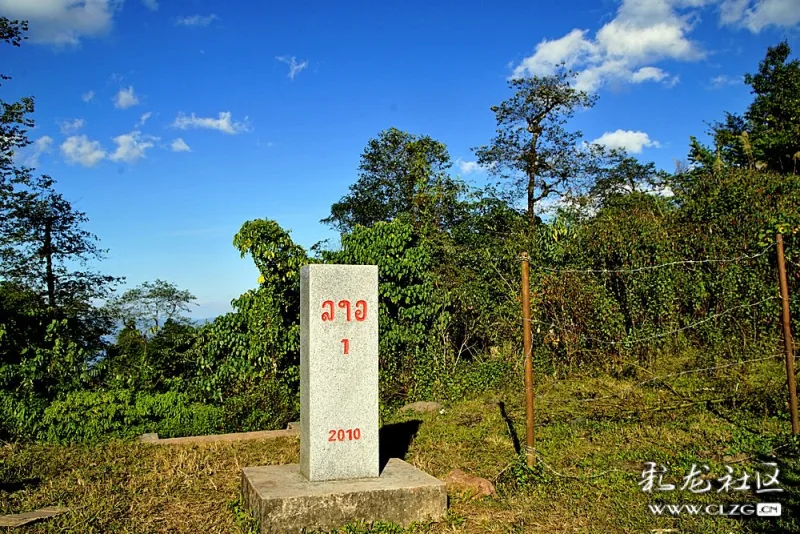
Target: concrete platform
{"points": [[285, 501]]}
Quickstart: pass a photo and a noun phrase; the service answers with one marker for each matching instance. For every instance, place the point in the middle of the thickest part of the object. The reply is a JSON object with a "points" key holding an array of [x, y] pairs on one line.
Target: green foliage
{"points": [[150, 305], [407, 300], [252, 354], [400, 173], [618, 277], [260, 405], [618, 305], [15, 118], [624, 174], [767, 136], [50, 331], [19, 416], [519, 477], [733, 214], [42, 239], [773, 114], [472, 378], [482, 278], [159, 363], [245, 519], [88, 416], [41, 351], [532, 148]]}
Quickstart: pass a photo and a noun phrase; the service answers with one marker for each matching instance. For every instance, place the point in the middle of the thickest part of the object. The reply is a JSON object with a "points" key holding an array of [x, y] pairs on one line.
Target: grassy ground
{"points": [[594, 435]]}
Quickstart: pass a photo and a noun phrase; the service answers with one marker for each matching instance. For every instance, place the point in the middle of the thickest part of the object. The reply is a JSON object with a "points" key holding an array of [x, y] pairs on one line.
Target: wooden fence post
{"points": [[526, 341], [787, 338]]}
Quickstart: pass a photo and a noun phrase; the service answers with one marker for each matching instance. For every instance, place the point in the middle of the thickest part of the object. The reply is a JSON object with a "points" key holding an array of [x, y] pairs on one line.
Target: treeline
{"points": [[449, 263]]}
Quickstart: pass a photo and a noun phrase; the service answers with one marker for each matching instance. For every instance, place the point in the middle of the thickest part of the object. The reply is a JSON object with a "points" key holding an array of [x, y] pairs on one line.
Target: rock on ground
{"points": [[422, 406], [458, 480]]}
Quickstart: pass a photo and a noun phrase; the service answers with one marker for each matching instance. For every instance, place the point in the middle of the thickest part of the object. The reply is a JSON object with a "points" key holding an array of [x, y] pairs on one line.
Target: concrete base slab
{"points": [[285, 501]]}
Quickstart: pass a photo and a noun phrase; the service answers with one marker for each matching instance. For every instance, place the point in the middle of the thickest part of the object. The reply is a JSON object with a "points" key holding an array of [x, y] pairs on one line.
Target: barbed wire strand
{"points": [[531, 450], [550, 468], [652, 267], [663, 334], [663, 377], [713, 368]]}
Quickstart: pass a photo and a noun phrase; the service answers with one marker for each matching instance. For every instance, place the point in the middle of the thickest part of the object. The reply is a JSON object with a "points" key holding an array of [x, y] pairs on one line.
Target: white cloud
{"points": [[468, 167], [63, 22], [295, 68], [126, 98], [131, 146], [68, 127], [223, 123], [571, 49], [755, 15], [152, 5], [632, 141], [79, 149], [648, 74], [732, 11], [723, 80], [144, 118], [624, 49], [87, 96], [196, 20], [43, 145], [665, 191], [179, 145]]}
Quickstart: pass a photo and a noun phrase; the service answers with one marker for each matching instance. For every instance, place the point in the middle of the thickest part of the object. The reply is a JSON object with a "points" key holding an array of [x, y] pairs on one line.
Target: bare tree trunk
{"points": [[535, 130], [531, 200], [48, 255]]}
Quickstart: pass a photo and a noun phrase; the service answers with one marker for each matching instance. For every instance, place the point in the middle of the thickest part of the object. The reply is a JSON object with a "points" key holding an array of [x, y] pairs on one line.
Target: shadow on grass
{"points": [[395, 440], [27, 483], [510, 425]]}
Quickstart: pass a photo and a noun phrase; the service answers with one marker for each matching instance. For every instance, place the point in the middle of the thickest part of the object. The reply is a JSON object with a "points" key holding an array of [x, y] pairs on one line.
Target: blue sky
{"points": [[172, 123]]}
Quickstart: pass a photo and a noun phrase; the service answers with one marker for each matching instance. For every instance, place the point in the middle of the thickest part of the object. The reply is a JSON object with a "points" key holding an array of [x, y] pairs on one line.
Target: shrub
{"points": [[89, 416]]}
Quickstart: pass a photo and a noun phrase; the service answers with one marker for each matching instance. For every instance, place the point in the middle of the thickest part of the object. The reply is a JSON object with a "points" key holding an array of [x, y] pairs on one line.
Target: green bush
{"points": [[89, 416], [408, 302], [18, 416], [262, 405], [472, 378]]}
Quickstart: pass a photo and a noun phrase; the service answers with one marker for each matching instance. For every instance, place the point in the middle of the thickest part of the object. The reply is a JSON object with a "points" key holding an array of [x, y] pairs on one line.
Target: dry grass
{"points": [[598, 445], [132, 487]]}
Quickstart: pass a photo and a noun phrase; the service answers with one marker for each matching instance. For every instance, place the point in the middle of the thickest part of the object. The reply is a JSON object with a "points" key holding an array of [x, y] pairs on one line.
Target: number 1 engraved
{"points": [[346, 346]]}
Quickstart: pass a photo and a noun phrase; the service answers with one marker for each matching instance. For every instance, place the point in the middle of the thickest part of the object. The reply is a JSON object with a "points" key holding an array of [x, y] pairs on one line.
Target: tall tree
{"points": [[50, 331], [532, 147], [152, 345], [14, 122], [15, 118], [774, 115], [623, 174], [399, 173], [767, 135], [150, 305], [41, 238], [43, 241]]}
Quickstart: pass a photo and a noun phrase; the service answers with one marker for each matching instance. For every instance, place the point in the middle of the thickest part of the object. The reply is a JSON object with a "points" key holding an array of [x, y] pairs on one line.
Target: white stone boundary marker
{"points": [[339, 372], [337, 479]]}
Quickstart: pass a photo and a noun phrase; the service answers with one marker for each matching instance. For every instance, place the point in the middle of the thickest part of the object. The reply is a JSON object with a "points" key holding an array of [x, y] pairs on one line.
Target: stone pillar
{"points": [[339, 372]]}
